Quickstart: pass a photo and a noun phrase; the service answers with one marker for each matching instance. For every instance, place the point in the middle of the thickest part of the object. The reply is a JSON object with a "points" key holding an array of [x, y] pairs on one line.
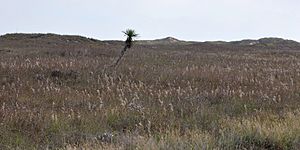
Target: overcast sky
{"points": [[198, 20]]}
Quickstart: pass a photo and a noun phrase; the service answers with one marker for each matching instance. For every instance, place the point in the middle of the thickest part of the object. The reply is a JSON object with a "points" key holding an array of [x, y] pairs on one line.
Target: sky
{"points": [[192, 20]]}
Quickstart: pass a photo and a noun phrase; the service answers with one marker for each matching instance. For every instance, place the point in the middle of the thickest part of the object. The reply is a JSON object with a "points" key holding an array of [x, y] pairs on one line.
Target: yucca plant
{"points": [[131, 34]]}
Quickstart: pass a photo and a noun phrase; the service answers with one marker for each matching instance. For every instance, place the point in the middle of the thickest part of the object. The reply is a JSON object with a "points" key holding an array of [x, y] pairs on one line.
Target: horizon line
{"points": [[149, 39]]}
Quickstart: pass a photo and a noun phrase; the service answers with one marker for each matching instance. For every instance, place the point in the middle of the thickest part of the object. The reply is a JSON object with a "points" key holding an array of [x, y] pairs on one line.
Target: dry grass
{"points": [[158, 98]]}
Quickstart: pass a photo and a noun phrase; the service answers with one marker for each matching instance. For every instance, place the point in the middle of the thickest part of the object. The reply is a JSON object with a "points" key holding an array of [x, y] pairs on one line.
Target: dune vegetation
{"points": [[59, 96]]}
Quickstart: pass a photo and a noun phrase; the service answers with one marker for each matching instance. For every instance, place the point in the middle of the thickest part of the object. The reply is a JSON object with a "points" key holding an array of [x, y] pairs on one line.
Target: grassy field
{"points": [[157, 98]]}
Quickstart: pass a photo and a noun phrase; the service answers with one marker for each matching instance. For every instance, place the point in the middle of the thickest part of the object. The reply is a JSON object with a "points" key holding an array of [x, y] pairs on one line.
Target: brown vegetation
{"points": [[55, 94]]}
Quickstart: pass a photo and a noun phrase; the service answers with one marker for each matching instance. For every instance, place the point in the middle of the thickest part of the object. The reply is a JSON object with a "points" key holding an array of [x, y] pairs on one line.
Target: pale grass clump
{"points": [[171, 140], [267, 130]]}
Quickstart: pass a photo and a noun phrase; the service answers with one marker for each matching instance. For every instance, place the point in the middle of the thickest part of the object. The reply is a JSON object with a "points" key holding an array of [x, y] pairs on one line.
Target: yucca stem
{"points": [[120, 57]]}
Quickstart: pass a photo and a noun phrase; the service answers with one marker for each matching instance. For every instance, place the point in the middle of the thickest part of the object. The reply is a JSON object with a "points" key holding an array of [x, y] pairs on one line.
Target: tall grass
{"points": [[155, 99]]}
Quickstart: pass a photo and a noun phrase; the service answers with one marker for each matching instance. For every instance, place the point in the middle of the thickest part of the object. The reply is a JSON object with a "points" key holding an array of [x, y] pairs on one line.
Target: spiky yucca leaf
{"points": [[130, 35]]}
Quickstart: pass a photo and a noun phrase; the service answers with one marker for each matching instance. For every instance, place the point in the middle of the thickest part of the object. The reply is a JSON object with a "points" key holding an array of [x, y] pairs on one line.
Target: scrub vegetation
{"points": [[54, 94]]}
